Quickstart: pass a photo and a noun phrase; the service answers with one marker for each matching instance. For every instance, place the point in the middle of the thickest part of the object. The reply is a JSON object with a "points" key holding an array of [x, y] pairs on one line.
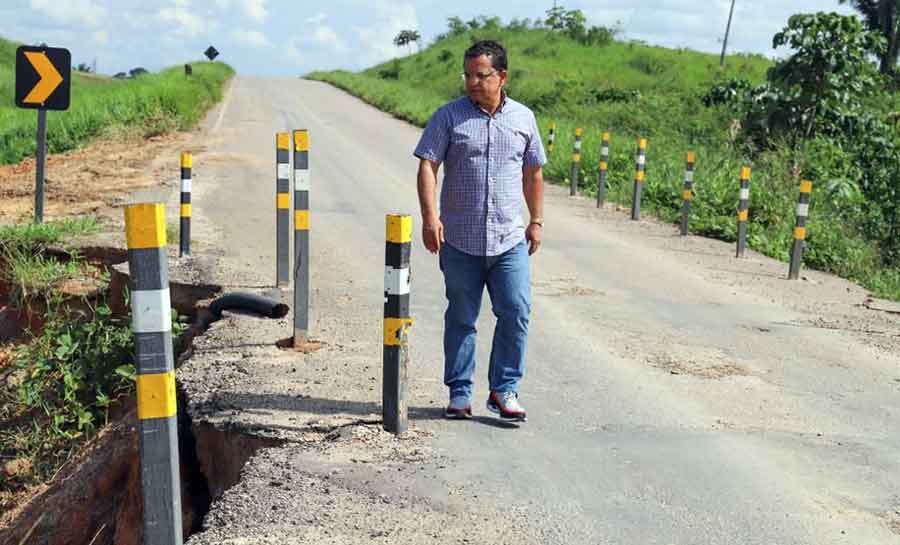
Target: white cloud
{"points": [[254, 9], [390, 18], [252, 38], [101, 37], [300, 45], [701, 25], [85, 12], [325, 35], [316, 19], [185, 22], [294, 51]]}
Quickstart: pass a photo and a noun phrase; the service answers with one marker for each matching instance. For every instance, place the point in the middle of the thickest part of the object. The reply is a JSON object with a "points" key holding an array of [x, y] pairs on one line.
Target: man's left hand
{"points": [[533, 236]]}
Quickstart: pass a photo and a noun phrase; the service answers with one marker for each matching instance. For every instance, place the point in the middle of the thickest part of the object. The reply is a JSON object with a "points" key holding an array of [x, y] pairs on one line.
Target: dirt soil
{"points": [[89, 179]]}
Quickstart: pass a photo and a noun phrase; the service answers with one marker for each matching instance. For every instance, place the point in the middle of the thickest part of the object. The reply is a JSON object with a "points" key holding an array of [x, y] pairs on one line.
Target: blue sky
{"points": [[290, 37]]}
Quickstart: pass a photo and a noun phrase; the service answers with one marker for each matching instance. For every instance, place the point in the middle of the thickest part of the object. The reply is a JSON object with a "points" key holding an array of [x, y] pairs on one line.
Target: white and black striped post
{"points": [[576, 162], [282, 209], [800, 230], [145, 227], [398, 246], [639, 175], [604, 168], [187, 163], [743, 212], [687, 194], [551, 138], [301, 237]]}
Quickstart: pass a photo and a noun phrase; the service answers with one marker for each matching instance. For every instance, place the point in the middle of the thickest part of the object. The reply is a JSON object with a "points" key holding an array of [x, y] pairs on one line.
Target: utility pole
{"points": [[727, 31]]}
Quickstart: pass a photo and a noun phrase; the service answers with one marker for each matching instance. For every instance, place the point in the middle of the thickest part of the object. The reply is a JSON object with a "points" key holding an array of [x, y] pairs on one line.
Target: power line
{"points": [[727, 31]]}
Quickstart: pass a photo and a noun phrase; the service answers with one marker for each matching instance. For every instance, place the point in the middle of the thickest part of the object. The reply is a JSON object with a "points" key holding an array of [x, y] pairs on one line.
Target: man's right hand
{"points": [[432, 234]]}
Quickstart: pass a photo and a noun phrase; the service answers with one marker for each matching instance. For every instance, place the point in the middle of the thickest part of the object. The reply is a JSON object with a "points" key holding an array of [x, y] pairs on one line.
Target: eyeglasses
{"points": [[478, 76]]}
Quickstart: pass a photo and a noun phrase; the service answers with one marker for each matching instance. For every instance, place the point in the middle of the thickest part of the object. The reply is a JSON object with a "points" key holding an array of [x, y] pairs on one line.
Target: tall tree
{"points": [[882, 16], [406, 38]]}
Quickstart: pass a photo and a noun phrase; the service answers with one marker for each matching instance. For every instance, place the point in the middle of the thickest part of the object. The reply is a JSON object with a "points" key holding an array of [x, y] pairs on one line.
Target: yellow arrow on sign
{"points": [[50, 77]]}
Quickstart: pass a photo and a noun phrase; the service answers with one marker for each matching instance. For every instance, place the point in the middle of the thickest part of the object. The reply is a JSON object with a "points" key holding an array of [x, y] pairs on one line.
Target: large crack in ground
{"points": [[96, 498]]}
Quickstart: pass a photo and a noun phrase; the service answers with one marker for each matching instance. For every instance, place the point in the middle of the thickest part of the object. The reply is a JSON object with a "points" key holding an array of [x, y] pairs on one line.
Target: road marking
{"points": [[225, 102]]}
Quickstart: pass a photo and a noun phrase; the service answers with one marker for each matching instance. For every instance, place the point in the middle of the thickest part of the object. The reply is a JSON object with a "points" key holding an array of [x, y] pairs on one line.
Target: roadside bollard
{"points": [[301, 237], [398, 246], [743, 212], [688, 194], [282, 209], [551, 139], [145, 228], [576, 162], [639, 179], [800, 230], [187, 162], [604, 168]]}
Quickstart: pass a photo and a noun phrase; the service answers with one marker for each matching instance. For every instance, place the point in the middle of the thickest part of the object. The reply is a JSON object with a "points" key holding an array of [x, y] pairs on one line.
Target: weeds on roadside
{"points": [[26, 269], [37, 236], [59, 386], [627, 89], [66, 380]]}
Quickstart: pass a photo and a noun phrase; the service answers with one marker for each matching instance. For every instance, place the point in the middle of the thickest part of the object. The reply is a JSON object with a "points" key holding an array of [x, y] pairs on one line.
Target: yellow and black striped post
{"points": [[145, 227], [687, 194], [551, 138], [640, 173], [800, 230], [743, 212], [604, 169], [301, 237], [187, 163], [282, 209], [397, 321], [576, 162]]}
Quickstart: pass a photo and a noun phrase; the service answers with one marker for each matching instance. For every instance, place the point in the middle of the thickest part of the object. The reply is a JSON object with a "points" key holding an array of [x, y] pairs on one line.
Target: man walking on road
{"points": [[492, 154]]}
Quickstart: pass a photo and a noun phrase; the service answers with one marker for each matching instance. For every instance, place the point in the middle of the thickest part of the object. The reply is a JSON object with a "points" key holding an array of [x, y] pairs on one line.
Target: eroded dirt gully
{"points": [[96, 497]]}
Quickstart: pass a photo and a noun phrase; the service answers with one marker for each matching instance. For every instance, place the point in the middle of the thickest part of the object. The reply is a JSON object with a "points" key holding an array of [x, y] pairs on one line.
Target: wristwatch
{"points": [[538, 221]]}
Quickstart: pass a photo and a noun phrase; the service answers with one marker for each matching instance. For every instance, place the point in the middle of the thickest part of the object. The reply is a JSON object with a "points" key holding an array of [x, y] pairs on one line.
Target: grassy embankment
{"points": [[151, 104], [635, 90]]}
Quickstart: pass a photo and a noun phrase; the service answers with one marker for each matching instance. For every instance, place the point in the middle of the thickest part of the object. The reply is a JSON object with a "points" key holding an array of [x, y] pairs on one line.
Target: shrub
{"points": [[648, 64]]}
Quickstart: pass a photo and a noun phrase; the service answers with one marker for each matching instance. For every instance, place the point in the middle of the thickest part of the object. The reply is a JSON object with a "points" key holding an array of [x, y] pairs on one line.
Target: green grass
{"points": [[156, 103], [35, 235], [32, 275], [27, 270], [70, 371], [635, 90]]}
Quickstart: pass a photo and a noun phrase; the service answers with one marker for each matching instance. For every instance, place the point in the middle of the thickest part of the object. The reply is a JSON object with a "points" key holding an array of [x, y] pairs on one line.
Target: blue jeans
{"points": [[508, 282]]}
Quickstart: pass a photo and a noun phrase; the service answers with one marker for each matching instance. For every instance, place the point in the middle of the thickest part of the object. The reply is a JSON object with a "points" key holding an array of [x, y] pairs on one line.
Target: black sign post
{"points": [[43, 82], [211, 53]]}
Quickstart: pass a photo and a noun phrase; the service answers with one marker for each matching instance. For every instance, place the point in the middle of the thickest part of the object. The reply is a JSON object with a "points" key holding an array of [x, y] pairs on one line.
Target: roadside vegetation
{"points": [[73, 366], [822, 113], [70, 367], [151, 103]]}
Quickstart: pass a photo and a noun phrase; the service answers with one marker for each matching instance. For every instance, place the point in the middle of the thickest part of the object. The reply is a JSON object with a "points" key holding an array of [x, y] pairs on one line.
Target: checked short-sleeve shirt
{"points": [[483, 158]]}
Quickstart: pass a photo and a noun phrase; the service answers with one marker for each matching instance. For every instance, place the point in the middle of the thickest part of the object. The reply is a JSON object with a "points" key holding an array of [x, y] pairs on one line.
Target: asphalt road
{"points": [[667, 403]]}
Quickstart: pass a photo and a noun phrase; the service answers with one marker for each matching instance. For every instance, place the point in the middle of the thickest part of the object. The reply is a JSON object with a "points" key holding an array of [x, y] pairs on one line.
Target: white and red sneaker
{"points": [[459, 409], [506, 404]]}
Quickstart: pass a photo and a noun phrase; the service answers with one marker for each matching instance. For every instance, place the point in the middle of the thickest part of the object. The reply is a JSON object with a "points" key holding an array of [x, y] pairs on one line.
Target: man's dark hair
{"points": [[491, 50]]}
